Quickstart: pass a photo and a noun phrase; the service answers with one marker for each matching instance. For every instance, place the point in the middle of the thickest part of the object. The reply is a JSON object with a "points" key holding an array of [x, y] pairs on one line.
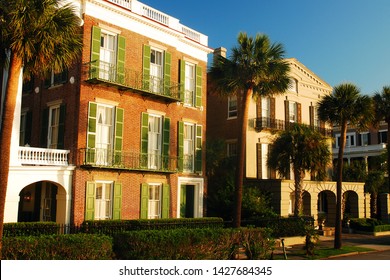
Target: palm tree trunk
{"points": [[15, 67], [339, 186], [240, 169], [298, 176]]}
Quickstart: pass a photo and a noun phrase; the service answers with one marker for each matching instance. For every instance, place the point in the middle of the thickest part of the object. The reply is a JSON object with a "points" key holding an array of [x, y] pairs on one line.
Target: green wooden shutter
{"points": [[91, 133], [183, 201], [120, 63], [180, 146], [44, 128], [165, 201], [146, 68], [167, 73], [144, 201], [117, 203], [166, 140], [95, 52], [182, 78], [144, 139], [198, 86], [198, 149], [61, 127], [118, 142], [90, 201]]}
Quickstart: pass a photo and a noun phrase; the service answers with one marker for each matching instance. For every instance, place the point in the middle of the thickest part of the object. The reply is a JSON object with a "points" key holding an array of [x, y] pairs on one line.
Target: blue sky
{"points": [[339, 40]]}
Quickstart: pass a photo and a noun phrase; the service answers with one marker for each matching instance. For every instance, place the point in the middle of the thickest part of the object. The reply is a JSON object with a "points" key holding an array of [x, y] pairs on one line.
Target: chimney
{"points": [[221, 51]]}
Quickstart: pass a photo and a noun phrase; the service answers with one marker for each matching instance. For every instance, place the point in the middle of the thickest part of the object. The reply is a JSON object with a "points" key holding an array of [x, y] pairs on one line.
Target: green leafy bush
{"points": [[58, 247], [191, 244], [30, 228], [364, 224]]}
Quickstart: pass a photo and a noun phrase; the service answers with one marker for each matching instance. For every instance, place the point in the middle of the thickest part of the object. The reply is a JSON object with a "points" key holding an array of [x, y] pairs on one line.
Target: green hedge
{"points": [[192, 244], [30, 229], [58, 247], [111, 227], [368, 225], [283, 227]]}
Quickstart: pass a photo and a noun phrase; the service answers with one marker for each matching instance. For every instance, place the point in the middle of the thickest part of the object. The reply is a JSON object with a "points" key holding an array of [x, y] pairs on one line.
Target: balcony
{"points": [[131, 161], [279, 125], [40, 156], [161, 18], [99, 72]]}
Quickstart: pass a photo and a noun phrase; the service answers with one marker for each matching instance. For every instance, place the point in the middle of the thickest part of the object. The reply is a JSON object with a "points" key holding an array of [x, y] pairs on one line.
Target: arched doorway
{"points": [[306, 203], [40, 202], [350, 205], [326, 207]]}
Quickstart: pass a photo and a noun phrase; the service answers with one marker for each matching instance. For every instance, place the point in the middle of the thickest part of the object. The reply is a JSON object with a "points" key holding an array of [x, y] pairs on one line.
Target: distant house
{"points": [[121, 134], [272, 114]]}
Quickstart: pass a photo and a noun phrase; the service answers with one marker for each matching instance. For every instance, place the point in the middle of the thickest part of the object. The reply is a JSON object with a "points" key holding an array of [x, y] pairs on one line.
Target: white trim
{"points": [[198, 194]]}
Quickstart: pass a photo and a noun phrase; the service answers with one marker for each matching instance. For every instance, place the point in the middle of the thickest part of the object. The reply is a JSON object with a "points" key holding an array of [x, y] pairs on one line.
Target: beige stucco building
{"points": [[266, 117]]}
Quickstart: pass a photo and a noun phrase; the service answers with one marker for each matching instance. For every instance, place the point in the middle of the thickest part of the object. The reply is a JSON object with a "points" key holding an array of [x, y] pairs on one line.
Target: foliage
{"points": [[365, 224], [30, 228], [257, 243], [311, 239], [58, 247], [355, 171], [190, 244]]}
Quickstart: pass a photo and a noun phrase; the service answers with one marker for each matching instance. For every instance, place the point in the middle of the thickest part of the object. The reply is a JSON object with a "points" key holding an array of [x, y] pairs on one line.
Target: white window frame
{"points": [[293, 111], [104, 131], [232, 107], [265, 107], [350, 137], [108, 55], [104, 204], [154, 141], [53, 126], [293, 85], [364, 138], [198, 184], [190, 84], [154, 202], [380, 140], [189, 137], [265, 170], [156, 70]]}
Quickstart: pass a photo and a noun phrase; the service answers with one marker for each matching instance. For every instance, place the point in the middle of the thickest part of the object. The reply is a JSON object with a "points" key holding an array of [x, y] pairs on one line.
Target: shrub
{"points": [[30, 228], [191, 244], [58, 247], [364, 224]]}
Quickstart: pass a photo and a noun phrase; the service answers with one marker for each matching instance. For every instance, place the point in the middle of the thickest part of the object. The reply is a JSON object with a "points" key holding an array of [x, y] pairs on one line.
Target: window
{"points": [[154, 141], [350, 140], [293, 85], [189, 147], [25, 128], [232, 107], [156, 71], [54, 123], [293, 111], [103, 200], [155, 201], [382, 136], [56, 79], [154, 204], [265, 107], [365, 139], [231, 148], [104, 135], [107, 56], [265, 171], [189, 139], [189, 87]]}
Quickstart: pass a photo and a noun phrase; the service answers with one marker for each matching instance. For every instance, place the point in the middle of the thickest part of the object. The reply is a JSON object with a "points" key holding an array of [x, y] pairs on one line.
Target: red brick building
{"points": [[131, 116]]}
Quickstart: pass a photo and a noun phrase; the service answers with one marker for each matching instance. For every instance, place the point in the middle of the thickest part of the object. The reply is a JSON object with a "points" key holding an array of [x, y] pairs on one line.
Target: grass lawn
{"points": [[321, 253]]}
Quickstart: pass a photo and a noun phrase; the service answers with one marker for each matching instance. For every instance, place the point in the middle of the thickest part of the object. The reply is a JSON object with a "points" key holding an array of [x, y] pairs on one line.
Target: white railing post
{"points": [[41, 156]]}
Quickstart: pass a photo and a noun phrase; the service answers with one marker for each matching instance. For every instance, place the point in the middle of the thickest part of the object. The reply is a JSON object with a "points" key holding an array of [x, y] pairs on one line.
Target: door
{"points": [[187, 201], [104, 133]]}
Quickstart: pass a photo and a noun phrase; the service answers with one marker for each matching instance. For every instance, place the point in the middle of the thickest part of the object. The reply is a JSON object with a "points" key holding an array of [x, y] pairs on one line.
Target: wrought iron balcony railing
{"points": [[128, 79], [105, 158], [275, 124]]}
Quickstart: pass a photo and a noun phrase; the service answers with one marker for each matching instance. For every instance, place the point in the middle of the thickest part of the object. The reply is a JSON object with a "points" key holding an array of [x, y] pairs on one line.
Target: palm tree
{"points": [[345, 106], [36, 36], [256, 68], [303, 149], [382, 112], [374, 182]]}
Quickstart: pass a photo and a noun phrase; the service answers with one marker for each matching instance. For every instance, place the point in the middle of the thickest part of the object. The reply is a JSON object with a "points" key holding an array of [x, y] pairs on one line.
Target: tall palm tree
{"points": [[36, 36], [345, 106], [382, 112], [256, 68], [303, 149]]}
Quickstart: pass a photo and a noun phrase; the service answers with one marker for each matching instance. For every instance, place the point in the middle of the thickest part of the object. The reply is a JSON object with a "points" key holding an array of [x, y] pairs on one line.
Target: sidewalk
{"points": [[377, 243]]}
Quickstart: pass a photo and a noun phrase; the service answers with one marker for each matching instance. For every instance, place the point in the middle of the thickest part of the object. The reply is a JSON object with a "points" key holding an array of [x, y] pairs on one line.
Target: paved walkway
{"points": [[377, 243]]}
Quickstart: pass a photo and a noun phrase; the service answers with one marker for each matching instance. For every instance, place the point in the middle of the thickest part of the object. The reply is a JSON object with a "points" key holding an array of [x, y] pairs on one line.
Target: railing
{"points": [[275, 124], [104, 158], [162, 18], [125, 79], [41, 156]]}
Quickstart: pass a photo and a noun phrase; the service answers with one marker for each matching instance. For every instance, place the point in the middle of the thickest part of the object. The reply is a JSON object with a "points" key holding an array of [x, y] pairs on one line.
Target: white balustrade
{"points": [[41, 156]]}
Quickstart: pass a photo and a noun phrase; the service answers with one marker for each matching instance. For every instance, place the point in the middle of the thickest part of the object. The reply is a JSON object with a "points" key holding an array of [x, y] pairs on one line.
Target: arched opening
{"points": [[350, 205], [306, 203], [326, 207], [42, 201]]}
